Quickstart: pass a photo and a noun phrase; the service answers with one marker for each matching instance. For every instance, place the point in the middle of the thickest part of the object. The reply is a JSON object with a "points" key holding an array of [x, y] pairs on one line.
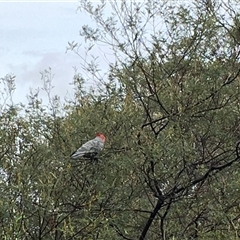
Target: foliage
{"points": [[169, 108]]}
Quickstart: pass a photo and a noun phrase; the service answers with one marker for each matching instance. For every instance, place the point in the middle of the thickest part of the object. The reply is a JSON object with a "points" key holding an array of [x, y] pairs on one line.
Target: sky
{"points": [[34, 37]]}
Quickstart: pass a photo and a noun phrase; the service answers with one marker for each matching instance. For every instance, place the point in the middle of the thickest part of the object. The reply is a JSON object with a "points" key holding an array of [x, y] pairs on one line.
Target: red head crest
{"points": [[101, 136]]}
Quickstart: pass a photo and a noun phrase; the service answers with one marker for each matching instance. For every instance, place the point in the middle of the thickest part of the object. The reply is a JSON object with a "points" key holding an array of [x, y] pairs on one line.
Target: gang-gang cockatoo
{"points": [[91, 148]]}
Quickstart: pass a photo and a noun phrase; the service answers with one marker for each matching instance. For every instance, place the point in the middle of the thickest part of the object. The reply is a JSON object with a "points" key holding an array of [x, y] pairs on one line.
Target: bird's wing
{"points": [[91, 146]]}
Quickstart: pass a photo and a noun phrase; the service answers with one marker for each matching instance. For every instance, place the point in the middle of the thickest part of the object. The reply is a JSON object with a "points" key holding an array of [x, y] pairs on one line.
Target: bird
{"points": [[91, 148]]}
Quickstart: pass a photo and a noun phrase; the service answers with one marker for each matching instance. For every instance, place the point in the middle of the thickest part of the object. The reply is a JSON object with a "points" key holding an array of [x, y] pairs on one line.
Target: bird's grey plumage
{"points": [[89, 149]]}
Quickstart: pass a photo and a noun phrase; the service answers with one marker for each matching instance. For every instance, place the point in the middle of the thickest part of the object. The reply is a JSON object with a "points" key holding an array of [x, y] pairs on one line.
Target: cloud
{"points": [[34, 37], [61, 65]]}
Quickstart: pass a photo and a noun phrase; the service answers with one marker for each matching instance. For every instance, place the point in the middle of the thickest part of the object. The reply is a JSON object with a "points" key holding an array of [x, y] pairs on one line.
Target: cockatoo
{"points": [[91, 148]]}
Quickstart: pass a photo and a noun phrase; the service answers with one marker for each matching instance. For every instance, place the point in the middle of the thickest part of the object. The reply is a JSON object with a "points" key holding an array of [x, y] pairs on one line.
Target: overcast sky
{"points": [[34, 37]]}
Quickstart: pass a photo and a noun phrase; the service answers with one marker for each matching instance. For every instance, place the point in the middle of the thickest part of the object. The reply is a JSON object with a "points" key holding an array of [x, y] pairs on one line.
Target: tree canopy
{"points": [[169, 106]]}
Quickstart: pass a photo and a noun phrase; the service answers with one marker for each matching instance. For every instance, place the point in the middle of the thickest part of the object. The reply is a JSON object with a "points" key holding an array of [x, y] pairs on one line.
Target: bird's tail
{"points": [[76, 155]]}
